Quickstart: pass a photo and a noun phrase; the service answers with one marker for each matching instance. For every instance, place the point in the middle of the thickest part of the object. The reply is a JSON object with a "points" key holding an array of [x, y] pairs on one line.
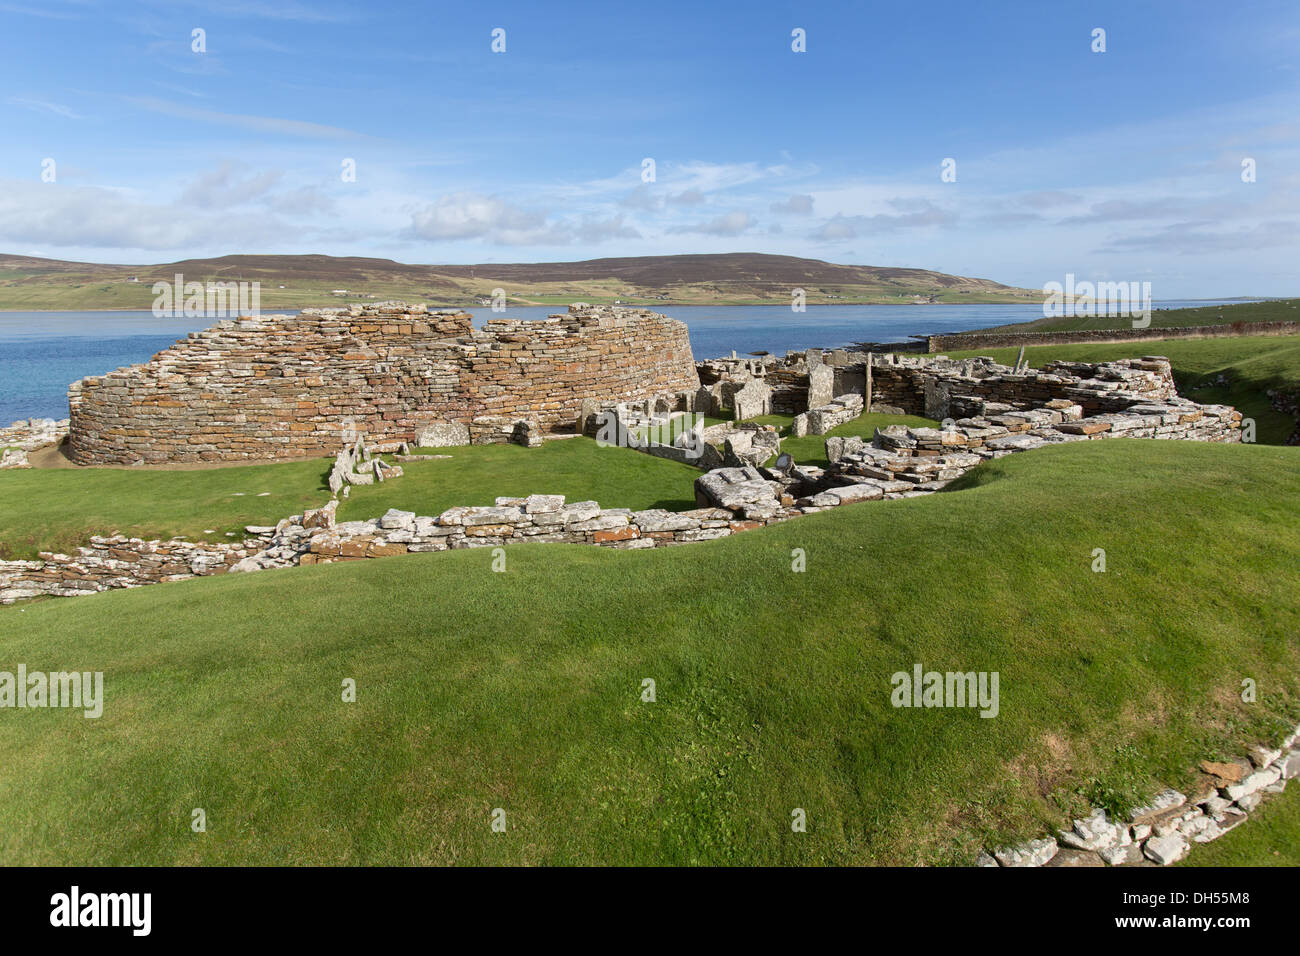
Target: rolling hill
{"points": [[305, 280]]}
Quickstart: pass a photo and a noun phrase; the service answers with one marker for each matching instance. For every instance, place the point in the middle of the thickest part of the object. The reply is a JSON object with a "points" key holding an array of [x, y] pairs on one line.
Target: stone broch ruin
{"points": [[280, 386], [988, 411], [284, 387]]}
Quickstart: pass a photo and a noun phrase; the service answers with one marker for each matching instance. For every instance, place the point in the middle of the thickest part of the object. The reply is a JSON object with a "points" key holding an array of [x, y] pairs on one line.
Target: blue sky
{"points": [[1122, 165]]}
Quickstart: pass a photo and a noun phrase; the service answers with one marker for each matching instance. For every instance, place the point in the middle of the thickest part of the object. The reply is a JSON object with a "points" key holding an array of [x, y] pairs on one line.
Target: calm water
{"points": [[41, 352]]}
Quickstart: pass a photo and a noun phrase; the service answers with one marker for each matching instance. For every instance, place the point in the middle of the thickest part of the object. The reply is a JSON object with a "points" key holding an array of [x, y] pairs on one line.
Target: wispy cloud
{"points": [[259, 124], [731, 224], [43, 106]]}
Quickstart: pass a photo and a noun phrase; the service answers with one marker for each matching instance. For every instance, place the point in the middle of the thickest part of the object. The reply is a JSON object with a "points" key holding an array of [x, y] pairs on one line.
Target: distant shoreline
{"points": [[678, 305]]}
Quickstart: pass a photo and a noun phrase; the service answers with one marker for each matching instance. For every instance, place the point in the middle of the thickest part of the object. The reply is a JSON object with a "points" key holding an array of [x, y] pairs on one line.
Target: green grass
{"points": [[521, 690], [1252, 364], [58, 509], [577, 468], [1271, 837], [1281, 310]]}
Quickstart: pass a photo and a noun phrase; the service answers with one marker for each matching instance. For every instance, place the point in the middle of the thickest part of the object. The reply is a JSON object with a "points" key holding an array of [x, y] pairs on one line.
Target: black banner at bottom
{"points": [[335, 905]]}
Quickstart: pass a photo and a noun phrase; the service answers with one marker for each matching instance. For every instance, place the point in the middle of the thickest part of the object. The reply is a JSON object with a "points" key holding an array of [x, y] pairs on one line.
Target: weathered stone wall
{"points": [[295, 386], [788, 379], [958, 341], [943, 388]]}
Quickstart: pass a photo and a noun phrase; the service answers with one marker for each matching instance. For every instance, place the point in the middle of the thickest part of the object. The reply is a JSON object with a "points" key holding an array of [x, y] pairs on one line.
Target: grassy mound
{"points": [[521, 690]]}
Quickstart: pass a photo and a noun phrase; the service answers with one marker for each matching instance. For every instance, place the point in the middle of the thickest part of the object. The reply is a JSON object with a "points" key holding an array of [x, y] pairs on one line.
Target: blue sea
{"points": [[41, 352]]}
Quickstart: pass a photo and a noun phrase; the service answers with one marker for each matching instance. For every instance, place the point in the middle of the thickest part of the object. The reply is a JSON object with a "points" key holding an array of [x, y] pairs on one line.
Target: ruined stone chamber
{"points": [[280, 386]]}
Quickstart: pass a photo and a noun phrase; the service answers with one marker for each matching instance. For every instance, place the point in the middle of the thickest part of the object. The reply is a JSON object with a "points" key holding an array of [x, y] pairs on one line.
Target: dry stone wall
{"points": [[937, 387], [281, 386], [1166, 830]]}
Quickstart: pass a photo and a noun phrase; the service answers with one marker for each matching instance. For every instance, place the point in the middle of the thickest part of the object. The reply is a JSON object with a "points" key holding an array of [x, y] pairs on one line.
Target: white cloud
{"points": [[688, 197], [466, 215], [912, 213], [222, 188], [600, 231], [730, 224], [797, 205], [56, 215]]}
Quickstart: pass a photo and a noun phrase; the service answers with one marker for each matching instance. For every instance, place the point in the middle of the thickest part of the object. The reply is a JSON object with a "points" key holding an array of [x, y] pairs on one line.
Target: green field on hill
{"points": [[1274, 310], [521, 690]]}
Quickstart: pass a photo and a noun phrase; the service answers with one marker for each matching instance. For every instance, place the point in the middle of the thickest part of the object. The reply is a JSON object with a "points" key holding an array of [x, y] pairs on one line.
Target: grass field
{"points": [[1252, 365], [577, 468], [57, 509], [1271, 837], [1278, 310], [521, 690]]}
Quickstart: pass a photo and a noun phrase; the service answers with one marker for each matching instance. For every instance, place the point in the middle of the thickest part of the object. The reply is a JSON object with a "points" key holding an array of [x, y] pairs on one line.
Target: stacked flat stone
{"points": [[32, 434], [1166, 830], [820, 420], [114, 562], [279, 386], [927, 459]]}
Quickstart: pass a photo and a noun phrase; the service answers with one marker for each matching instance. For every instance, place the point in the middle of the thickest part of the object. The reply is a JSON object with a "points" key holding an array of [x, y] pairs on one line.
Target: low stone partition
{"points": [[1165, 830], [967, 341], [820, 420], [932, 386], [355, 465], [939, 387], [903, 461], [1288, 403], [114, 562], [33, 434]]}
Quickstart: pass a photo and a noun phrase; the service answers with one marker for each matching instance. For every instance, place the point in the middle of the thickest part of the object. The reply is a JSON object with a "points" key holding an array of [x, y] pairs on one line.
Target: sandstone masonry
{"points": [[280, 386]]}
